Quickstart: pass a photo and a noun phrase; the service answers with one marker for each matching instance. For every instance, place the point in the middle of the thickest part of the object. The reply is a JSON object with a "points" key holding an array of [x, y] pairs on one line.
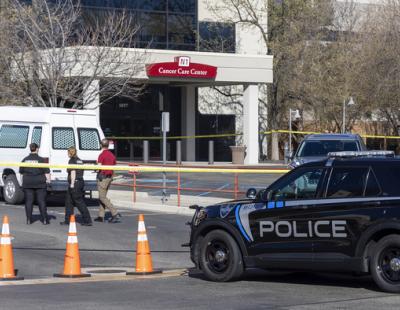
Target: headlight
{"points": [[199, 216]]}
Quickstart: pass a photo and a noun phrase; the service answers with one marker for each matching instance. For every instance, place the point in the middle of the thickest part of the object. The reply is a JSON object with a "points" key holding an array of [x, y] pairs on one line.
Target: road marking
{"points": [[219, 188], [98, 278]]}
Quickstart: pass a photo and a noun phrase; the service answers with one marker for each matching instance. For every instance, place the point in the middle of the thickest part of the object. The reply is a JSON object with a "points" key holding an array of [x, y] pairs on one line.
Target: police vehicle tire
{"points": [[385, 263], [12, 192], [220, 257]]}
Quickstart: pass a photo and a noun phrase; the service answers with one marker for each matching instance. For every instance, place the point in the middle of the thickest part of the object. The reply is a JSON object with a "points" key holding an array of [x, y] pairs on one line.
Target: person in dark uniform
{"points": [[75, 193], [34, 183]]}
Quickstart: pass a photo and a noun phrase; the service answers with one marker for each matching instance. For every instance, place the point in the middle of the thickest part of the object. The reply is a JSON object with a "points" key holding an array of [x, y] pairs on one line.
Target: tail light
{"points": [[46, 160]]}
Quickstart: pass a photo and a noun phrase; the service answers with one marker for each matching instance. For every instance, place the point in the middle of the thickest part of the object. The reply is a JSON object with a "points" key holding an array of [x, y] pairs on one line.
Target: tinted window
{"points": [[217, 37], [372, 188], [323, 147], [14, 136], [150, 5], [184, 6], [303, 184], [388, 176], [63, 138], [88, 139], [181, 29], [37, 135], [152, 27], [347, 182]]}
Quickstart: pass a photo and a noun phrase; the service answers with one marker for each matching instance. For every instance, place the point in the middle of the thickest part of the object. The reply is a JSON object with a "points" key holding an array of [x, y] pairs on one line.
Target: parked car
{"points": [[54, 130], [337, 215], [317, 146]]}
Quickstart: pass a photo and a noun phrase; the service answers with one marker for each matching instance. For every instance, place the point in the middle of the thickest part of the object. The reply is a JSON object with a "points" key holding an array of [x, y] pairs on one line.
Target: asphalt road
{"points": [[39, 252], [255, 291]]}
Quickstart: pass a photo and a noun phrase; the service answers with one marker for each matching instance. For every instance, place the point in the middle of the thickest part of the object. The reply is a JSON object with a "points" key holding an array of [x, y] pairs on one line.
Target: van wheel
{"points": [[12, 192], [220, 257], [385, 263]]}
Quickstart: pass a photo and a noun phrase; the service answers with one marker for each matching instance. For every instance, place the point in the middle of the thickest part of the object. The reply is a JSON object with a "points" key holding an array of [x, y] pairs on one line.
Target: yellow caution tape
{"points": [[147, 168], [240, 134], [177, 137]]}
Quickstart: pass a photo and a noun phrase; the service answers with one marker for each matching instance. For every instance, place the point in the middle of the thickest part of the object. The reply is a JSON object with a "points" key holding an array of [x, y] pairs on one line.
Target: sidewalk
{"points": [[123, 200], [204, 164]]}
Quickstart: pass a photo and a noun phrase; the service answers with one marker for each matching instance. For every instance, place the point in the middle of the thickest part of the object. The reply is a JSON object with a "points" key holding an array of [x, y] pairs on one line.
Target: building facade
{"points": [[175, 28]]}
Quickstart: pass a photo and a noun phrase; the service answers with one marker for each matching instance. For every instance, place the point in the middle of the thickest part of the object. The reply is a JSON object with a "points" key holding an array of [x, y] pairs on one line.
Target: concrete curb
{"points": [[123, 200]]}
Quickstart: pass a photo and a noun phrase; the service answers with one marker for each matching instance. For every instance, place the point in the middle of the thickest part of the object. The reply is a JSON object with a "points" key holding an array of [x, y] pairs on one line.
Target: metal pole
{"points": [[179, 152], [236, 186], [131, 150], [344, 117], [211, 152], [134, 187], [290, 132], [145, 151], [179, 189], [164, 192]]}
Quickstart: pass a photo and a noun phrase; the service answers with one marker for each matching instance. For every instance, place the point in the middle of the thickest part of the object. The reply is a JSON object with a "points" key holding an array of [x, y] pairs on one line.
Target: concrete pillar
{"points": [[250, 124], [188, 122], [91, 97]]}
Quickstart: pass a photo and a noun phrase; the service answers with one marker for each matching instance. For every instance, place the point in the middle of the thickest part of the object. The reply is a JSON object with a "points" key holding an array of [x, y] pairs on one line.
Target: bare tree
{"points": [[59, 56], [315, 49], [380, 71]]}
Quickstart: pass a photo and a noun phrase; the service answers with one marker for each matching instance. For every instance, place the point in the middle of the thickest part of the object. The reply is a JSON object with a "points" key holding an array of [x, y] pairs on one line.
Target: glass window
{"points": [[152, 27], [181, 29], [63, 138], [36, 135], [217, 37], [183, 6], [323, 147], [150, 5], [95, 3], [14, 136], [347, 182], [372, 188], [302, 184], [389, 178], [89, 139]]}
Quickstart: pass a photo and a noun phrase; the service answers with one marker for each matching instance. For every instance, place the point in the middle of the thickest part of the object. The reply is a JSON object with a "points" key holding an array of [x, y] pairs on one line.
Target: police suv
{"points": [[341, 215]]}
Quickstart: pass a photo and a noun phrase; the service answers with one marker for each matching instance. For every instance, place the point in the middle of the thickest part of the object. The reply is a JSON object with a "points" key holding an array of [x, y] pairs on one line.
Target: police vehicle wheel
{"points": [[220, 257], [385, 263], [12, 192]]}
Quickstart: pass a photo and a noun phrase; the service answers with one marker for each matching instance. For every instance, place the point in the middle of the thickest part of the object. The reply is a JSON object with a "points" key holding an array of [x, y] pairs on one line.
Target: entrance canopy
{"points": [[199, 69]]}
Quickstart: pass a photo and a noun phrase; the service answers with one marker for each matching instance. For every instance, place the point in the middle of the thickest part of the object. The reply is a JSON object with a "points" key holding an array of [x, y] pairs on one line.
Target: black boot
{"points": [[115, 218]]}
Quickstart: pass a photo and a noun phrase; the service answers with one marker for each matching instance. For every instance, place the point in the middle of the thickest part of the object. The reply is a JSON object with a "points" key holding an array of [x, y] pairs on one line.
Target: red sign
{"points": [[181, 68]]}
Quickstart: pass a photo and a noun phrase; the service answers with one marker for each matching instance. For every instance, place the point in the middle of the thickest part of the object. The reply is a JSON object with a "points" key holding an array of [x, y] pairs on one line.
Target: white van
{"points": [[54, 130]]}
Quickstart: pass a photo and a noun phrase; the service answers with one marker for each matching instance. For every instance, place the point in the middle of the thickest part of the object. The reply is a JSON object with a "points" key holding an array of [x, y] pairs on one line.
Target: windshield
{"points": [[323, 147]]}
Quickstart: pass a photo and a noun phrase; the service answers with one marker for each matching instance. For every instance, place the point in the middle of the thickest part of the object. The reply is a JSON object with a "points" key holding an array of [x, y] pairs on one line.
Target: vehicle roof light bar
{"points": [[345, 154]]}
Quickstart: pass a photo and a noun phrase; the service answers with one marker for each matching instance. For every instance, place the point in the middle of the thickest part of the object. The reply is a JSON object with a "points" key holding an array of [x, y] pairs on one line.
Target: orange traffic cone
{"points": [[72, 261], [144, 263], [7, 272]]}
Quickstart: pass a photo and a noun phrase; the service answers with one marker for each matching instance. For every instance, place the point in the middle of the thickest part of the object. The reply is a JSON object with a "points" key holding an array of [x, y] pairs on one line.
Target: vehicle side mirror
{"points": [[251, 193], [266, 195]]}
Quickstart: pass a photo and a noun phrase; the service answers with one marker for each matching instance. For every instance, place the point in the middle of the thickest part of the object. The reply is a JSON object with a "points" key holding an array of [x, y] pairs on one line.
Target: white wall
{"points": [[248, 41]]}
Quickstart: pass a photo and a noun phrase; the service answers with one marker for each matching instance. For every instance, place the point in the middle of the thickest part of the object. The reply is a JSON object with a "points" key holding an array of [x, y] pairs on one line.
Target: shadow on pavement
{"points": [[306, 278]]}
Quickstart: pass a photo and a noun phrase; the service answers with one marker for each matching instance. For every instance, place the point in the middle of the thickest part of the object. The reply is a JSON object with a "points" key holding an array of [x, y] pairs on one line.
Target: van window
{"points": [[89, 139], [37, 135], [14, 136], [63, 138]]}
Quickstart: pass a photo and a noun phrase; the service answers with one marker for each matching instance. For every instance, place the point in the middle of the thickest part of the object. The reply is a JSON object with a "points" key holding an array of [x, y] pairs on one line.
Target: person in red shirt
{"points": [[104, 179]]}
